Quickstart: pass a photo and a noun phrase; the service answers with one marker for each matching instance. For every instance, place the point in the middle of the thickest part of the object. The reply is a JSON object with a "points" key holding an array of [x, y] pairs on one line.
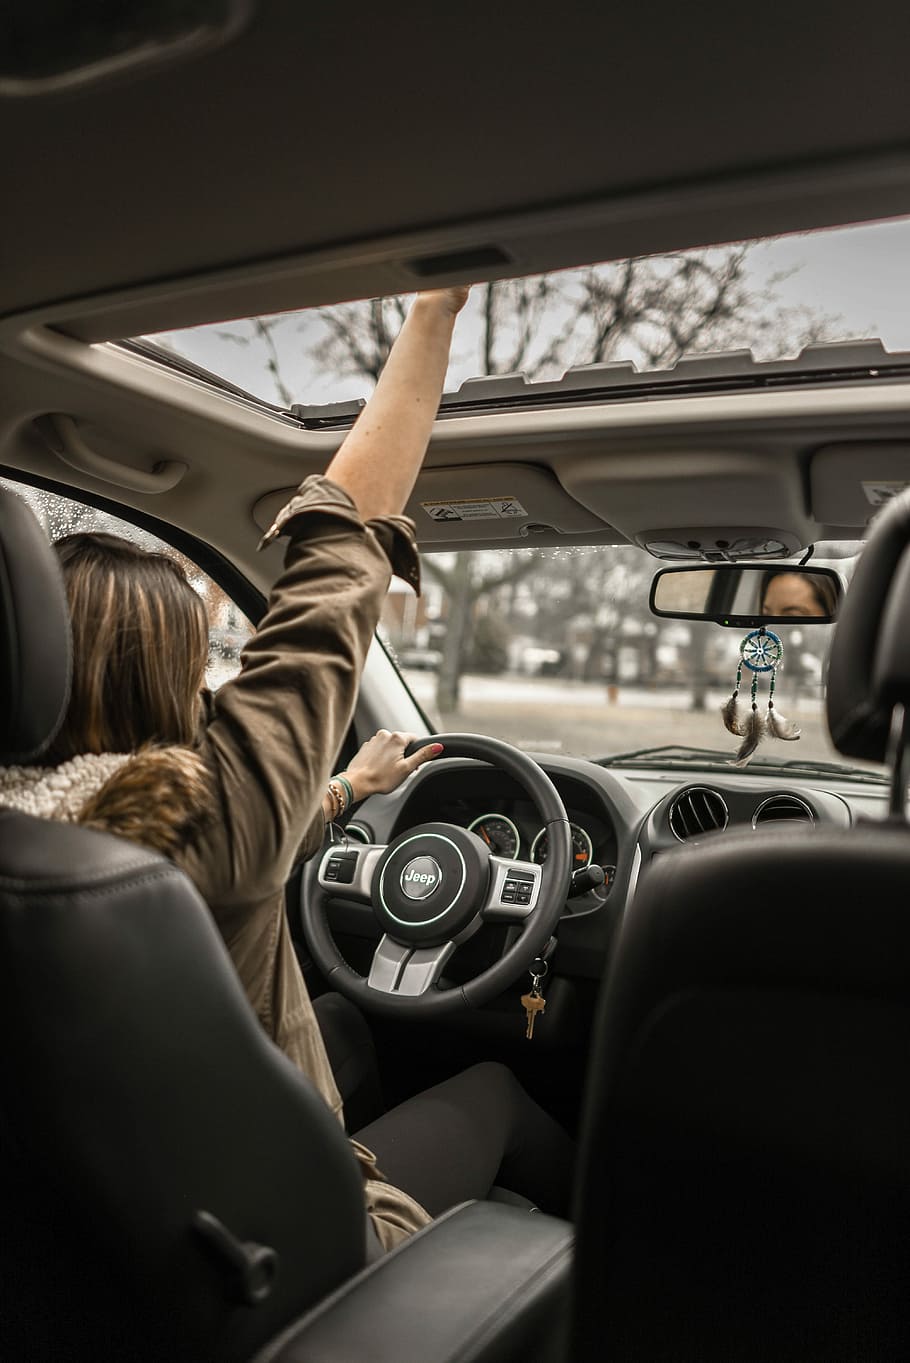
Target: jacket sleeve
{"points": [[276, 727]]}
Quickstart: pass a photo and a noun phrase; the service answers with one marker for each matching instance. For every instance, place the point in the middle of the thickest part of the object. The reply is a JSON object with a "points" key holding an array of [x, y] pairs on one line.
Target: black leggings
{"points": [[458, 1140]]}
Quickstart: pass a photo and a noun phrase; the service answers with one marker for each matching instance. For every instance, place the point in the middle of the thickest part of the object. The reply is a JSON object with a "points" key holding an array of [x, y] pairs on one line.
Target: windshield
{"points": [[771, 297], [556, 650]]}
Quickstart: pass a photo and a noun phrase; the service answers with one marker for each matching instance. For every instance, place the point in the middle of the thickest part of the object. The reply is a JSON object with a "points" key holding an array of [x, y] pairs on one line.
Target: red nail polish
{"points": [[438, 748]]}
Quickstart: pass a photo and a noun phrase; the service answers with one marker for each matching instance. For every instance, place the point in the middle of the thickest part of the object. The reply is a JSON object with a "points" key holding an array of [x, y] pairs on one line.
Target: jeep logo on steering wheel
{"points": [[420, 878]]}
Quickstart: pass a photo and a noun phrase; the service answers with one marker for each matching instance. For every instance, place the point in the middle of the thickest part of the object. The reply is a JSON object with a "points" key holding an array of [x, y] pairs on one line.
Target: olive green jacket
{"points": [[272, 734]]}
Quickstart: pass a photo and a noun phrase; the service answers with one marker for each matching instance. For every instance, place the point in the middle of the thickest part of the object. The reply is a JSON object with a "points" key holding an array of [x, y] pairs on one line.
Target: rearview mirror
{"points": [[746, 596]]}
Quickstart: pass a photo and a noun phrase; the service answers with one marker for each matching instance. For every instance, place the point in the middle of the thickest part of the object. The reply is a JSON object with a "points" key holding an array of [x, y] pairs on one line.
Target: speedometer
{"points": [[582, 847], [499, 833]]}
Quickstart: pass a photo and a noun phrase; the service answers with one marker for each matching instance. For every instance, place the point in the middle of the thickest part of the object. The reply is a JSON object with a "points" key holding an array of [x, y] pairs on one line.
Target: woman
{"points": [[800, 595], [237, 788]]}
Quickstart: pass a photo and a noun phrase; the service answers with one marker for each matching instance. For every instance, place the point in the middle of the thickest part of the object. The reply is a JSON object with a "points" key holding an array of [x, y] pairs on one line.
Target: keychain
{"points": [[534, 1002]]}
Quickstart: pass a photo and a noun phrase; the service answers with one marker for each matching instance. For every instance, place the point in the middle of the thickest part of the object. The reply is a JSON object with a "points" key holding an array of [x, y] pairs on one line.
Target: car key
{"points": [[533, 1004]]}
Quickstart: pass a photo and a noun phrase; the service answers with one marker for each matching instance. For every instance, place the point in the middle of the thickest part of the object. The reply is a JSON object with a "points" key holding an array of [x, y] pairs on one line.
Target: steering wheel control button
{"points": [[341, 867], [518, 888], [430, 883], [514, 889], [421, 878]]}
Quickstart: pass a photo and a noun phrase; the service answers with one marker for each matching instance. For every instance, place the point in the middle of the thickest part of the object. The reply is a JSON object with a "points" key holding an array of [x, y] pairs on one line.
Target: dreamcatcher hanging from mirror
{"points": [[760, 652]]}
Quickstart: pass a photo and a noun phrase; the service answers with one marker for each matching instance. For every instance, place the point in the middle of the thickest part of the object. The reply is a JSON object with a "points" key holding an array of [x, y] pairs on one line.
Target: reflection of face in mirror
{"points": [[801, 595], [747, 594]]}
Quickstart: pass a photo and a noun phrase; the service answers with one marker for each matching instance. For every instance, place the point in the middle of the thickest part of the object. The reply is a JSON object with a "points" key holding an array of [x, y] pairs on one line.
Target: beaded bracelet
{"points": [[336, 794], [348, 789]]}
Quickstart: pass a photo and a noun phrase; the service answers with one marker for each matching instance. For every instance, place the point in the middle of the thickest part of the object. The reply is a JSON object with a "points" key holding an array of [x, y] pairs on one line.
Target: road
{"points": [[549, 714]]}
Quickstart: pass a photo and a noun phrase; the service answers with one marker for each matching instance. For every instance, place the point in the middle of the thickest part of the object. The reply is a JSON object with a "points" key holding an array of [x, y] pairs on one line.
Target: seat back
{"points": [[744, 1189], [172, 1187], [745, 1173], [34, 636]]}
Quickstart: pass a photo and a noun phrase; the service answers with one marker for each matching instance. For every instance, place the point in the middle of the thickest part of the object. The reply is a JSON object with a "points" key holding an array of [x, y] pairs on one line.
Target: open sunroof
{"points": [[793, 309]]}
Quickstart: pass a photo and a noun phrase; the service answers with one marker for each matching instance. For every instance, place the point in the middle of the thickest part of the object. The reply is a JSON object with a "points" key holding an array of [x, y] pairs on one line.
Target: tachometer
{"points": [[499, 833], [582, 847]]}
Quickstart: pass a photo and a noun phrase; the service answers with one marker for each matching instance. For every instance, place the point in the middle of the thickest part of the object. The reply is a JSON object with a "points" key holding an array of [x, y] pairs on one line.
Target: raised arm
{"points": [[275, 729], [381, 457]]}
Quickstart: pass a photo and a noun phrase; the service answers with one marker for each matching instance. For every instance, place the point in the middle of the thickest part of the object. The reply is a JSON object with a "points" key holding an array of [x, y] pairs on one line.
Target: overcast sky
{"points": [[859, 276]]}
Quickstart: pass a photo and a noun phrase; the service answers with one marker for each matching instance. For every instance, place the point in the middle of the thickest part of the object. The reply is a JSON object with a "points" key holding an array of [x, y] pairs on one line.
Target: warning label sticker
{"points": [[877, 494], [467, 509]]}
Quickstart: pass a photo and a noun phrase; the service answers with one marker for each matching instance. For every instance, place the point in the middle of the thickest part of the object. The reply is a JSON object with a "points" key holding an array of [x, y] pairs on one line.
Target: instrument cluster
{"points": [[502, 836], [509, 823]]}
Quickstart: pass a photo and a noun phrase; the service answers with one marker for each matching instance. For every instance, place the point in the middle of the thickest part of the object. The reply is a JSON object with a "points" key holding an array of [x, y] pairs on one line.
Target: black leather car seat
{"points": [[172, 1189], [172, 1186], [745, 1173]]}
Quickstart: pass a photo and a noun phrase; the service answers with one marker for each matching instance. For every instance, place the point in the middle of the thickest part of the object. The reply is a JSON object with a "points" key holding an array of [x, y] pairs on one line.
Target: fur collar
{"points": [[159, 797]]}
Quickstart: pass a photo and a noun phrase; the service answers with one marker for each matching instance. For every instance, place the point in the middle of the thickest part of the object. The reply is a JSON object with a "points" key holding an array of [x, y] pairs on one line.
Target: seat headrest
{"points": [[869, 667], [35, 649]]}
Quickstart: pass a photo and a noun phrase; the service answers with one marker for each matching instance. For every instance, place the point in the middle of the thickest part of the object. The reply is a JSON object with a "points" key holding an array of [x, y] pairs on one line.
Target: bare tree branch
{"points": [[513, 574], [265, 331], [441, 575], [489, 327]]}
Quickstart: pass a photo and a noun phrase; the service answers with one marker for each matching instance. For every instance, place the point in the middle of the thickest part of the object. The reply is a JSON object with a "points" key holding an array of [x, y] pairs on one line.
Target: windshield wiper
{"points": [[677, 755], [811, 768], [670, 754]]}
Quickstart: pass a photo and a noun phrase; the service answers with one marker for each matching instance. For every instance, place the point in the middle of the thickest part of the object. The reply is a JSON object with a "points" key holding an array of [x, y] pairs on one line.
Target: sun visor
{"points": [[484, 505], [849, 482], [660, 500]]}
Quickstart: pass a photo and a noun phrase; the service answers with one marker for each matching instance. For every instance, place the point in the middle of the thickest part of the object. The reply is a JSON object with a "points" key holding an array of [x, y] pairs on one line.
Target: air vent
{"points": [[783, 807], [698, 810]]}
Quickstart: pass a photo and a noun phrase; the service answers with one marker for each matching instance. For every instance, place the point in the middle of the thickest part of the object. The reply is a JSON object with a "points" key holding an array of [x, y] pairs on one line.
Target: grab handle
{"points": [[67, 442]]}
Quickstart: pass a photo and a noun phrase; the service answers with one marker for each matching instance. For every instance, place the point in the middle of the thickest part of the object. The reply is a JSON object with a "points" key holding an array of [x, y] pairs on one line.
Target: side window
{"points": [[228, 626]]}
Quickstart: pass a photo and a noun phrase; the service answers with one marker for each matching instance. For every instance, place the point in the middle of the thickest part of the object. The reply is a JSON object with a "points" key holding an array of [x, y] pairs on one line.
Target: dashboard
{"points": [[622, 819], [491, 805]]}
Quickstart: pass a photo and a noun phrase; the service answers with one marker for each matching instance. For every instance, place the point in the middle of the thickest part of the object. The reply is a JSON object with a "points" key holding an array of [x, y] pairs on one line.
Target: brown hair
{"points": [[140, 645], [824, 588]]}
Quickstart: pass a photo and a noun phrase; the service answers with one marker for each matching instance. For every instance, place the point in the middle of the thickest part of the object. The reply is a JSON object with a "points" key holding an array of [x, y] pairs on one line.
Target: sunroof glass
{"points": [[771, 297]]}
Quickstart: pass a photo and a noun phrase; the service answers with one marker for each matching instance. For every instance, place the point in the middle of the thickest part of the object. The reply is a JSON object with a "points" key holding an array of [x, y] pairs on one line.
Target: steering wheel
{"points": [[432, 887]]}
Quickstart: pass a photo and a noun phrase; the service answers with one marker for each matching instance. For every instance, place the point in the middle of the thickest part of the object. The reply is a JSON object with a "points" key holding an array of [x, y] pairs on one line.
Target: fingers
{"points": [[381, 765], [396, 740], [452, 299], [391, 742], [458, 296], [424, 754]]}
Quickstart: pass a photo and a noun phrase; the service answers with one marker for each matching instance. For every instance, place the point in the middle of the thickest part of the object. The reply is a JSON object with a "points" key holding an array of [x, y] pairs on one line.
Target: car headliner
{"points": [[327, 155], [331, 131]]}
